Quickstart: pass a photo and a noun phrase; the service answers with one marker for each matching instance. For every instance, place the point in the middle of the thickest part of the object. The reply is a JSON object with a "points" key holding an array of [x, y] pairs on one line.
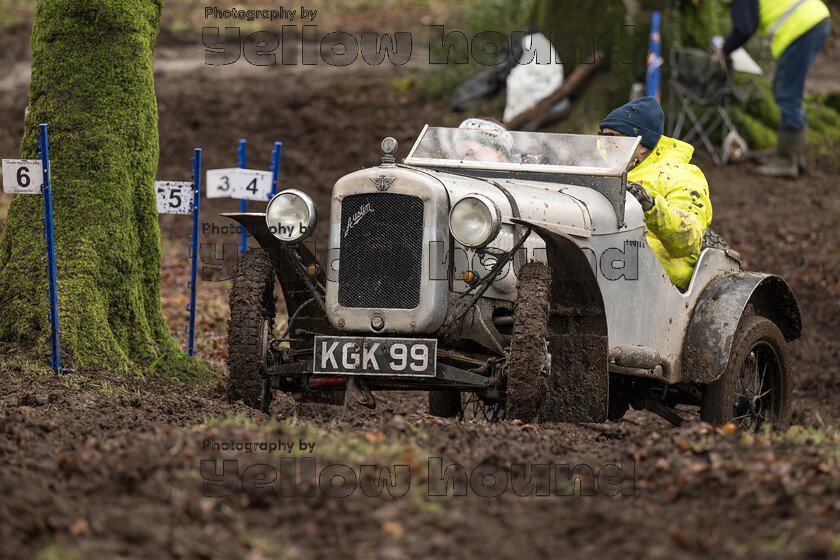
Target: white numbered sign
{"points": [[253, 185], [249, 184], [220, 182], [174, 197], [22, 176]]}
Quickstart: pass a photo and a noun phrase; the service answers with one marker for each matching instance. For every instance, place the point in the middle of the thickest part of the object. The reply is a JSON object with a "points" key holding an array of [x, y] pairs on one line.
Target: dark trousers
{"points": [[789, 81]]}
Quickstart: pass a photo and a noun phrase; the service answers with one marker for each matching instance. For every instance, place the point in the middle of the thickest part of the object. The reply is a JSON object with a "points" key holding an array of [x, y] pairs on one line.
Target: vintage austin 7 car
{"points": [[522, 289]]}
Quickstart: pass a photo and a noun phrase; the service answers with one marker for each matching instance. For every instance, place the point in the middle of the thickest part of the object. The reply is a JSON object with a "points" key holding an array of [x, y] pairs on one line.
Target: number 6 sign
{"points": [[22, 176]]}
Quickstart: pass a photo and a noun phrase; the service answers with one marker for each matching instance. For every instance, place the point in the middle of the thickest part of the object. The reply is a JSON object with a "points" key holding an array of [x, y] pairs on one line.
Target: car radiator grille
{"points": [[380, 262]]}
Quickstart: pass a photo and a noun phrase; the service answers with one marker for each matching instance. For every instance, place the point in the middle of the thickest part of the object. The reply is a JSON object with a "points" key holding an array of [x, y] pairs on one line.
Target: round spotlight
{"points": [[475, 221], [291, 216]]}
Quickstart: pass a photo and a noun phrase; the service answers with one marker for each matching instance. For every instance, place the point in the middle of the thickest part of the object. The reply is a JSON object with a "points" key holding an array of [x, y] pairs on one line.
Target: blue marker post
{"points": [[44, 154], [275, 167], [242, 163], [196, 169], [654, 59]]}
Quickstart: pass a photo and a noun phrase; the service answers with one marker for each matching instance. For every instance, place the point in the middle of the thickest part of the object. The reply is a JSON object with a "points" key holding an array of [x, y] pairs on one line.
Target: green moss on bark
{"points": [[92, 83]]}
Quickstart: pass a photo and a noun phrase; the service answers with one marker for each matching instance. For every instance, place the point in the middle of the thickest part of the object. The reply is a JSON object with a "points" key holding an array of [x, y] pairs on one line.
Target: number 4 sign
{"points": [[253, 185], [22, 176]]}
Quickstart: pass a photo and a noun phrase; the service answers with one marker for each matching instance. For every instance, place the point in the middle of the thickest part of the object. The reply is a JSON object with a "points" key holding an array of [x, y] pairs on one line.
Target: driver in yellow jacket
{"points": [[673, 193]]}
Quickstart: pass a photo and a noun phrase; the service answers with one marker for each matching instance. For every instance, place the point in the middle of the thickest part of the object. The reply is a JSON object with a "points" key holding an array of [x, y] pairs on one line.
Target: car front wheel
{"points": [[252, 308], [529, 363]]}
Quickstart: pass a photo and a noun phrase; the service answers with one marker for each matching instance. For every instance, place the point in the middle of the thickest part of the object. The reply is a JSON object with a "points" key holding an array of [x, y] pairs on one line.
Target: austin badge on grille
{"points": [[383, 182], [354, 219]]}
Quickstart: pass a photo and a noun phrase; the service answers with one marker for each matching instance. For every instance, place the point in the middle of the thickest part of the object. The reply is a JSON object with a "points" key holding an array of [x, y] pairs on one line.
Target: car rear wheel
{"points": [[755, 389], [445, 403], [252, 309], [464, 405]]}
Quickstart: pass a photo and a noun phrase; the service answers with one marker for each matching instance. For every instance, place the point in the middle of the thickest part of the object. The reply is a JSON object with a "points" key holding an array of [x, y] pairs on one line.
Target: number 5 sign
{"points": [[174, 197], [22, 176], [184, 197]]}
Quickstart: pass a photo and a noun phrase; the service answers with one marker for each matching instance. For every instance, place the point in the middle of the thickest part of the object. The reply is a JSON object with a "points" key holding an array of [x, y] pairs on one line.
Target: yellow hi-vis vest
{"points": [[786, 20]]}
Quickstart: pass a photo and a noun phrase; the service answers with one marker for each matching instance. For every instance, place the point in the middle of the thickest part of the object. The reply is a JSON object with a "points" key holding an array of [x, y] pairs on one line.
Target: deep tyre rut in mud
{"points": [[755, 388], [525, 387], [252, 309]]}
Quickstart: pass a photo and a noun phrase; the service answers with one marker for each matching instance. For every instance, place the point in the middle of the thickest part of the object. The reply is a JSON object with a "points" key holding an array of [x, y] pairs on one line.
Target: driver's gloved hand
{"points": [[641, 195]]}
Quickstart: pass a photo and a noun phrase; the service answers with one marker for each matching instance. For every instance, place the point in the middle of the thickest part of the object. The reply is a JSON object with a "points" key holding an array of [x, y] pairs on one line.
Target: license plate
{"points": [[410, 357]]}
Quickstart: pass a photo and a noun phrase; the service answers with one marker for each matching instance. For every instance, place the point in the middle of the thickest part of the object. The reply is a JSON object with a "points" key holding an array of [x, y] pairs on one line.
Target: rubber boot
{"points": [[785, 162]]}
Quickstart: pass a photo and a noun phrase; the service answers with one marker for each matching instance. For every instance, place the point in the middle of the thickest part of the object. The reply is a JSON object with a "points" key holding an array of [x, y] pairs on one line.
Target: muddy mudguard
{"points": [[295, 292], [578, 386], [723, 303]]}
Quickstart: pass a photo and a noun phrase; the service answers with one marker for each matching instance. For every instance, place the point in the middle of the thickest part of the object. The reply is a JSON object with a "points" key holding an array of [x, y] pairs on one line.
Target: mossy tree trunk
{"points": [[92, 83]]}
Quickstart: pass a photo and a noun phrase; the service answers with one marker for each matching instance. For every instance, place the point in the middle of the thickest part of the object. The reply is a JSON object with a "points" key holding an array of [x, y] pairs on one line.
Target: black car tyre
{"points": [[711, 239], [755, 389], [445, 403], [476, 409], [528, 359], [252, 309], [464, 405]]}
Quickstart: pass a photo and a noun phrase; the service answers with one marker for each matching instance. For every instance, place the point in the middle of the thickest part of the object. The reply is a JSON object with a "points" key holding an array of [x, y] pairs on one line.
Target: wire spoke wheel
{"points": [[465, 405], [476, 409], [755, 389]]}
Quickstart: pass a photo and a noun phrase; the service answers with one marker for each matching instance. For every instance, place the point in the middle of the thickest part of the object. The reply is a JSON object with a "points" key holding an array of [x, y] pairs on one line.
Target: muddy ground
{"points": [[98, 466]]}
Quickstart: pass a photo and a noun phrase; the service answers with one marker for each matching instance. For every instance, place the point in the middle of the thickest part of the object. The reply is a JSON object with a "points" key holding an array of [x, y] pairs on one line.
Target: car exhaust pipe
{"points": [[334, 382]]}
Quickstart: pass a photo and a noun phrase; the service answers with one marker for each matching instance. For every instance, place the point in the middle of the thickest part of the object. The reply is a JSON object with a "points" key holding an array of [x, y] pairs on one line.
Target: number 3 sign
{"points": [[22, 176]]}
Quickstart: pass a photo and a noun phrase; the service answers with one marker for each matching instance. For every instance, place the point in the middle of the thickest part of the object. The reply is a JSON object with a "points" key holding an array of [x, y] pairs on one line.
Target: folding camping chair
{"points": [[697, 78]]}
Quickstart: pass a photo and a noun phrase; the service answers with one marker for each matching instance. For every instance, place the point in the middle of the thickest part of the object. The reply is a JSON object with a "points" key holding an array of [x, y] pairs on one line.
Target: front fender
{"points": [[295, 292], [711, 332], [254, 224]]}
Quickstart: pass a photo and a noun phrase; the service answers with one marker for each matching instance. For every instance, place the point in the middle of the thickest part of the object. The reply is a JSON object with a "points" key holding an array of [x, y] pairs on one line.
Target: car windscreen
{"points": [[577, 154]]}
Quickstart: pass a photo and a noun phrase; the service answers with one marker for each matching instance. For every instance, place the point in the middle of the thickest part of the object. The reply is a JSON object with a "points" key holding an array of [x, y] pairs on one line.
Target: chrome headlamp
{"points": [[475, 221], [291, 216]]}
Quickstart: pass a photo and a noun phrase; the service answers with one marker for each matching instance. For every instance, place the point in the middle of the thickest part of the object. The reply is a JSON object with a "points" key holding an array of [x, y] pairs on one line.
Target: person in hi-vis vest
{"points": [[797, 30]]}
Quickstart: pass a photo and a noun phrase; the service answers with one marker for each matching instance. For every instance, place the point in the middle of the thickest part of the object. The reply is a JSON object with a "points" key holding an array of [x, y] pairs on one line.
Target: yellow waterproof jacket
{"points": [[682, 210]]}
